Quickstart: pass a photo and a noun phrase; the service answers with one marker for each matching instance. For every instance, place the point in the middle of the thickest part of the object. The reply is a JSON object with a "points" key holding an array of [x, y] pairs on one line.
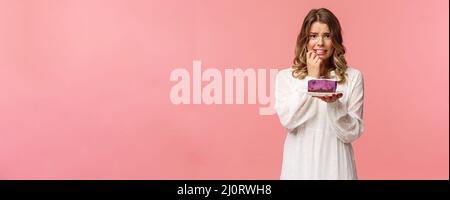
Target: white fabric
{"points": [[318, 142]]}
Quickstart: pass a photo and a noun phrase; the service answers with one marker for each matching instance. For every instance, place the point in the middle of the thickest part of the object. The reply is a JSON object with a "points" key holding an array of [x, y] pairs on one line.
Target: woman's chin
{"points": [[323, 57]]}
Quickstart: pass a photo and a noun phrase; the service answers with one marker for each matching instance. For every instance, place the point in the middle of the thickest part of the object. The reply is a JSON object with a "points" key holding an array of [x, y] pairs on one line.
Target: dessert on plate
{"points": [[322, 87]]}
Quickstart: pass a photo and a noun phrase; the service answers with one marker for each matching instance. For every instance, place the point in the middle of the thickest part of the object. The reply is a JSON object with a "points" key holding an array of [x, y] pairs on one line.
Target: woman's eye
{"points": [[313, 36]]}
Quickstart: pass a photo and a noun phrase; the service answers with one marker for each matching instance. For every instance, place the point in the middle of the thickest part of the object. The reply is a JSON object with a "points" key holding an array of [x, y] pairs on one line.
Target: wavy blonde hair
{"points": [[338, 62]]}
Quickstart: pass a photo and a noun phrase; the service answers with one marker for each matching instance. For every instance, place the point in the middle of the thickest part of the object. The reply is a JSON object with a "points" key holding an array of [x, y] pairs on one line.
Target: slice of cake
{"points": [[322, 86]]}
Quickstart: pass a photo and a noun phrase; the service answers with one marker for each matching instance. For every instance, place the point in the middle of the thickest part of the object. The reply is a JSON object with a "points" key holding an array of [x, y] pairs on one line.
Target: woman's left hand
{"points": [[330, 99]]}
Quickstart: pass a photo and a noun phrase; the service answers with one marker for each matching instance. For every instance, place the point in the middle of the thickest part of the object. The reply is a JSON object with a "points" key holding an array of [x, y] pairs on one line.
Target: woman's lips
{"points": [[320, 52]]}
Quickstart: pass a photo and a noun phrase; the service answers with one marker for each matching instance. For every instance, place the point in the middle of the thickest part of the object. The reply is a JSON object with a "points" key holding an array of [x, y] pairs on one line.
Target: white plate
{"points": [[321, 94]]}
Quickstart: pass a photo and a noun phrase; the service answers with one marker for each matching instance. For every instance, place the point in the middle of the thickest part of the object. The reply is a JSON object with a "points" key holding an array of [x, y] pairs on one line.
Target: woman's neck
{"points": [[324, 68]]}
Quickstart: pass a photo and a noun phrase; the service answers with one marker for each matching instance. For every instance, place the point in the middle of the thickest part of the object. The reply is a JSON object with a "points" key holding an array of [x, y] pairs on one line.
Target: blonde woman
{"points": [[320, 129]]}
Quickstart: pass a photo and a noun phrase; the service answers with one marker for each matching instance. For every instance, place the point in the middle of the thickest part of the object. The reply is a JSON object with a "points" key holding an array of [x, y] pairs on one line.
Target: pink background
{"points": [[84, 87]]}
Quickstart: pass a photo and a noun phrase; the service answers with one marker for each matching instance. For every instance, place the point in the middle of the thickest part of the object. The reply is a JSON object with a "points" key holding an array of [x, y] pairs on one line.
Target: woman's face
{"points": [[319, 40]]}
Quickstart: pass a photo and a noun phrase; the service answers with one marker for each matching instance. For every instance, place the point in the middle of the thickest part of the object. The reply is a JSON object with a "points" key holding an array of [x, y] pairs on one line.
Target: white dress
{"points": [[318, 142]]}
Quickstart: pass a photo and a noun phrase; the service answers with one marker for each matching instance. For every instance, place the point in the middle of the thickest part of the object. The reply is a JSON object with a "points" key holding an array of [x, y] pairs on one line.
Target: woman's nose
{"points": [[319, 41]]}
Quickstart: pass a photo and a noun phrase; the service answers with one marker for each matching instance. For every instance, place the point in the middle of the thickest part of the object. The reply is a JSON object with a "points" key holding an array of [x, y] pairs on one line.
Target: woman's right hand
{"points": [[313, 64]]}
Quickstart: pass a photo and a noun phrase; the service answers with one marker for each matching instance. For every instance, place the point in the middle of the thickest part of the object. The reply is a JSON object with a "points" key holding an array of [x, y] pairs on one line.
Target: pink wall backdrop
{"points": [[84, 87]]}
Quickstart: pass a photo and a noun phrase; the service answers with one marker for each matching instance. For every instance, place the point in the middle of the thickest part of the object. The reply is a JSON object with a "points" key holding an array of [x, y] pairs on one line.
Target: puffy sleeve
{"points": [[347, 120], [292, 104]]}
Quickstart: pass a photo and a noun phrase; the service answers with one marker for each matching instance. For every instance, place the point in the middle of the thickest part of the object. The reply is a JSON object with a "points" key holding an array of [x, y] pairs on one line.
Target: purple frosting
{"points": [[318, 85]]}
